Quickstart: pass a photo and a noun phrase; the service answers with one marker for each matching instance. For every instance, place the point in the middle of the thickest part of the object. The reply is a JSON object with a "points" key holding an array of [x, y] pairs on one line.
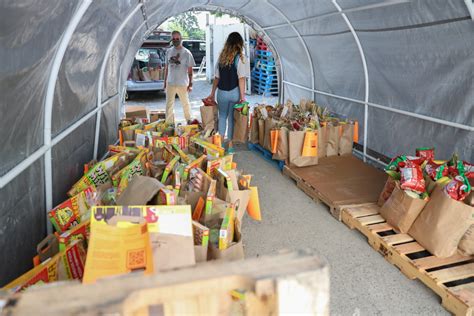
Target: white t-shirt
{"points": [[243, 69], [178, 61]]}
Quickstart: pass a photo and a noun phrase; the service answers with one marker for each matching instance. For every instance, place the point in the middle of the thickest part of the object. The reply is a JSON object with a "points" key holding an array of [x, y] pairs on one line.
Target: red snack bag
{"points": [[412, 178], [458, 188], [436, 171], [415, 160], [468, 170], [209, 102], [461, 167], [425, 152]]}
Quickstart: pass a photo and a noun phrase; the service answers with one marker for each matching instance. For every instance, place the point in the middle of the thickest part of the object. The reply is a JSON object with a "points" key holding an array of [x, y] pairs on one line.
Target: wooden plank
{"points": [[464, 292], [433, 262], [361, 211], [405, 249], [455, 273], [303, 270], [374, 219], [377, 228], [397, 239]]}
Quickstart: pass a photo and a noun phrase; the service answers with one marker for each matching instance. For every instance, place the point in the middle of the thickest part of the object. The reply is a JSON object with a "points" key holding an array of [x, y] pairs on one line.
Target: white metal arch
{"points": [[308, 55], [366, 74], [102, 70]]}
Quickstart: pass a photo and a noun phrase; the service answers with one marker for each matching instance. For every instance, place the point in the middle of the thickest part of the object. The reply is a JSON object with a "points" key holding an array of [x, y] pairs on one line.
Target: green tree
{"points": [[187, 24]]}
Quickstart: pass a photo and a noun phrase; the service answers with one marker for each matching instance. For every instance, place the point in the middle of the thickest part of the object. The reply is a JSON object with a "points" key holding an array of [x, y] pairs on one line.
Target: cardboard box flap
{"points": [[140, 191]]}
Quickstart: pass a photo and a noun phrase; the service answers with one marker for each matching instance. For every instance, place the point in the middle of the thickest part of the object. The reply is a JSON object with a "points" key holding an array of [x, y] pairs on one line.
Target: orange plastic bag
{"points": [[274, 139], [310, 145]]}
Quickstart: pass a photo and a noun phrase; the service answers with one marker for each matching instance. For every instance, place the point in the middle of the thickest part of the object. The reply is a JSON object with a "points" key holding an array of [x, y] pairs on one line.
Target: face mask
{"points": [[176, 43]]}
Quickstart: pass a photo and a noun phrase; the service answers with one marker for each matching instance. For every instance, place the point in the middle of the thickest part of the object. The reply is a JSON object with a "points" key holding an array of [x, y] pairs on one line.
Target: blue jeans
{"points": [[226, 101]]}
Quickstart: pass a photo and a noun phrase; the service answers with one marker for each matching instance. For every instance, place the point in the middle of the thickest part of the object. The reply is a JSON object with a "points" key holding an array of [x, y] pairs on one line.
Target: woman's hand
{"points": [[242, 99], [211, 97]]}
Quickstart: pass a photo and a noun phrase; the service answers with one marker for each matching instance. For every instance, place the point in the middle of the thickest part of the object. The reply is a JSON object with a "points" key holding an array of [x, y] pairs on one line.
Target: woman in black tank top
{"points": [[229, 85]]}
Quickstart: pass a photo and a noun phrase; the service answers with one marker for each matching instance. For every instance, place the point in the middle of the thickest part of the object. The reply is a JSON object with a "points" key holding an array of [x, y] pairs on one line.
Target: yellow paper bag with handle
{"points": [[253, 208], [310, 145]]}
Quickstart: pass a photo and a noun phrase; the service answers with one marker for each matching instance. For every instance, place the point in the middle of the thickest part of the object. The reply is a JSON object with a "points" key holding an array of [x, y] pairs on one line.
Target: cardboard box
{"points": [[135, 112], [80, 232], [118, 244], [156, 115], [66, 265], [69, 213], [170, 229], [235, 251], [201, 241]]}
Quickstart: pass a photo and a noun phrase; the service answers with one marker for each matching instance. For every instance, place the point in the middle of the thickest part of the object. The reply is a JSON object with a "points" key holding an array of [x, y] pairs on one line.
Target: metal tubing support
{"points": [[101, 75], [308, 55], [366, 74], [389, 109], [48, 104]]}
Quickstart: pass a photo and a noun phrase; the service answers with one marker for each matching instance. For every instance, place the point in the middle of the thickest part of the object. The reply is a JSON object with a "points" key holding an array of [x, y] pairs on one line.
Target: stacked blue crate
{"points": [[264, 75]]}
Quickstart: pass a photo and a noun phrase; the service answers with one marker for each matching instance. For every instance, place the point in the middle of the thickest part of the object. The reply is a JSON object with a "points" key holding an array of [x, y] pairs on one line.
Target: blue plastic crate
{"points": [[263, 53]]}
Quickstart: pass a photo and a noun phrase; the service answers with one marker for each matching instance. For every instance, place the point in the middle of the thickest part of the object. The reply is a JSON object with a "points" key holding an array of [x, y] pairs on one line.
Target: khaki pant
{"points": [[182, 92]]}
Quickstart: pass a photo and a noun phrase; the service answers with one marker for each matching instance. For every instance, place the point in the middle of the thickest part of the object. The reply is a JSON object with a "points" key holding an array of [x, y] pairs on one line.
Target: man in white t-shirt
{"points": [[178, 77]]}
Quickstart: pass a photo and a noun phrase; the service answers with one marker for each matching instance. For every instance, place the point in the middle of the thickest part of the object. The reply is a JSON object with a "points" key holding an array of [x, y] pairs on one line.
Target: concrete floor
{"points": [[362, 281]]}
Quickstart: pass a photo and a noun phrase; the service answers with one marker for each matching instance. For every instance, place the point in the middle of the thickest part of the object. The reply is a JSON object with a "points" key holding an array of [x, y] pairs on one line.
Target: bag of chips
{"points": [[459, 188], [425, 152], [412, 178]]}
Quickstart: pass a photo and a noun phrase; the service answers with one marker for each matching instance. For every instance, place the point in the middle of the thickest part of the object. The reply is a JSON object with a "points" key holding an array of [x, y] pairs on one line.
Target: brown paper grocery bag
{"points": [[235, 251], [295, 145], [333, 140], [387, 191], [241, 127], [208, 117], [261, 132], [322, 140], [254, 130], [401, 210], [441, 225], [347, 139], [269, 124], [466, 245], [282, 145]]}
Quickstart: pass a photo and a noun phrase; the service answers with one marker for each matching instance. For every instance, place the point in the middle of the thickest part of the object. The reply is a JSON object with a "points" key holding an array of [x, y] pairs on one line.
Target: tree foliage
{"points": [[187, 24]]}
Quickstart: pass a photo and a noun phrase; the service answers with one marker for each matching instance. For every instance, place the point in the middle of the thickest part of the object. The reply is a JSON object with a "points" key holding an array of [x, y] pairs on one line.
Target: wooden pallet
{"points": [[317, 196], [339, 181], [267, 155], [451, 278]]}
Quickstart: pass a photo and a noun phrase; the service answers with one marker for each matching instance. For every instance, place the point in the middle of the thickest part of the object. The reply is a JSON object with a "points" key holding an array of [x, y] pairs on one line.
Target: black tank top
{"points": [[228, 78]]}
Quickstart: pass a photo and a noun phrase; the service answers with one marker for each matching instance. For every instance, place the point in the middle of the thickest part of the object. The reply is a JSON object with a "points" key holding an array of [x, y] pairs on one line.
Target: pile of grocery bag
{"points": [[431, 200], [300, 134], [165, 197]]}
